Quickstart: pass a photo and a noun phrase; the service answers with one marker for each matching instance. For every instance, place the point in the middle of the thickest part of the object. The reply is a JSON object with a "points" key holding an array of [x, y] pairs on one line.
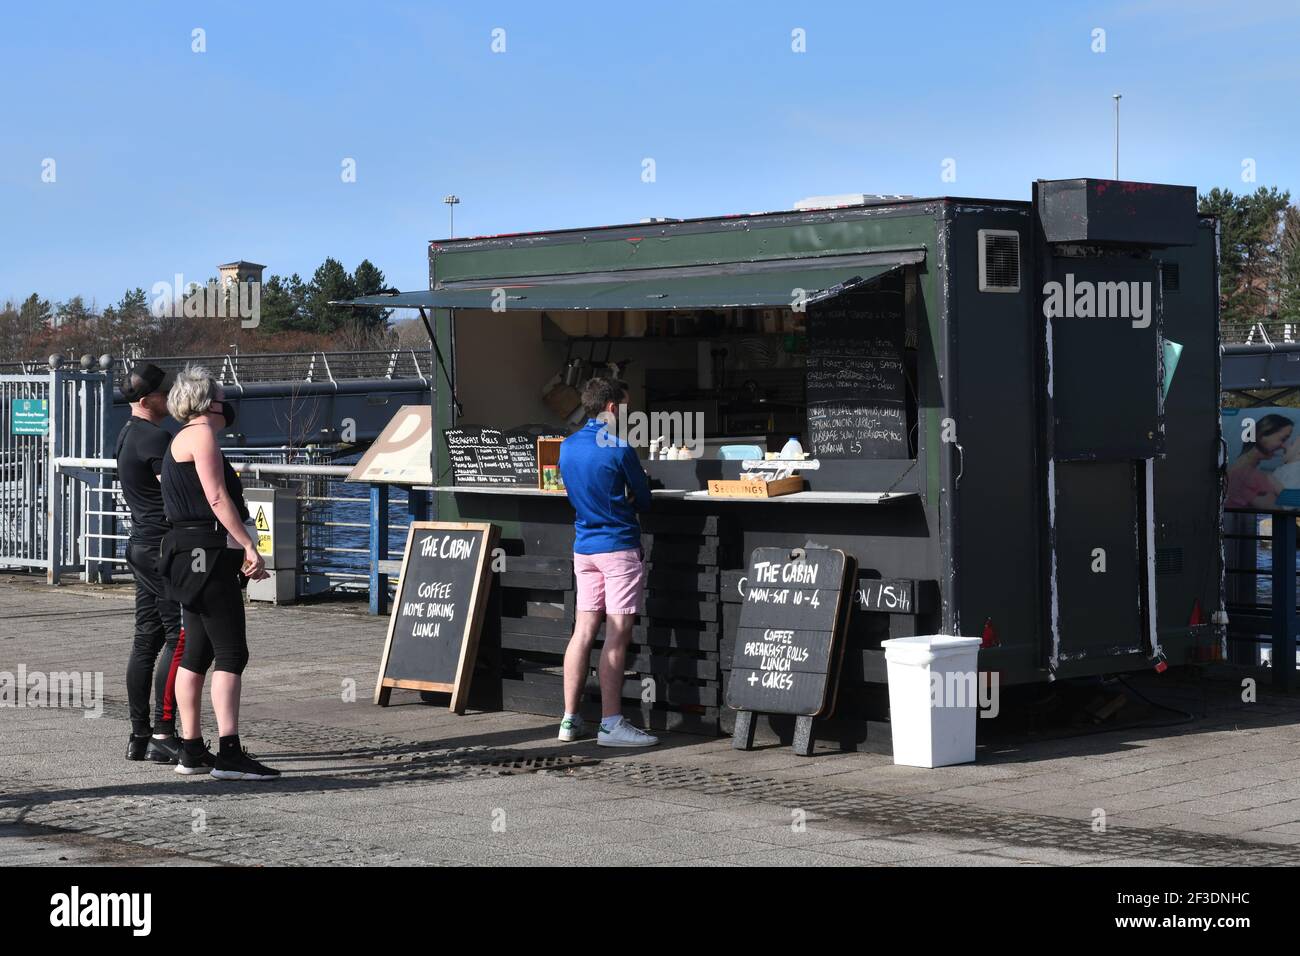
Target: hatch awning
{"points": [[768, 282]]}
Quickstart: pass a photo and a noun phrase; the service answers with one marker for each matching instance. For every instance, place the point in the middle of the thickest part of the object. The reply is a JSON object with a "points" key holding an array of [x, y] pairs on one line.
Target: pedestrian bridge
{"points": [[304, 398]]}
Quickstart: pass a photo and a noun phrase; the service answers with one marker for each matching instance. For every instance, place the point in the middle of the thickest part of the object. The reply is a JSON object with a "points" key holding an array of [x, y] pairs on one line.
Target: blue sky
{"points": [[173, 161]]}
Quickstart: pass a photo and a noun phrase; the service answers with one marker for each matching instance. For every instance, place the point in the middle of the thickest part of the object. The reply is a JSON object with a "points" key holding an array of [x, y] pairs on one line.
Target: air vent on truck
{"points": [[1169, 276], [999, 259]]}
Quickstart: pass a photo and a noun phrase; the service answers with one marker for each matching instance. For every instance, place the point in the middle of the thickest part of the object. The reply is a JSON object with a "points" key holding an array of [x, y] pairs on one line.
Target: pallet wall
{"points": [[672, 673]]}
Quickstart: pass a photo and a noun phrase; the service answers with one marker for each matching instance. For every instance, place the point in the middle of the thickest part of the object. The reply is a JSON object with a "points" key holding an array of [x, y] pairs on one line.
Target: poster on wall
{"points": [[1263, 457]]}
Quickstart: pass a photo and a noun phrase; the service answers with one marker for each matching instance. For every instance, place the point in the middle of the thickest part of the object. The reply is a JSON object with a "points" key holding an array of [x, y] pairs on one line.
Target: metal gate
{"points": [[43, 417]]}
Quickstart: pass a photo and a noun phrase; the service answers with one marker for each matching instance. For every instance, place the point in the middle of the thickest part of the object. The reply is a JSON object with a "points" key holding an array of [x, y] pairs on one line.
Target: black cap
{"points": [[145, 380]]}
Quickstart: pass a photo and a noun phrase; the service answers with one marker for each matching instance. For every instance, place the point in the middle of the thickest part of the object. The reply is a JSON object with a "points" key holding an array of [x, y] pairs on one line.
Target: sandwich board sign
{"points": [[433, 629], [790, 639]]}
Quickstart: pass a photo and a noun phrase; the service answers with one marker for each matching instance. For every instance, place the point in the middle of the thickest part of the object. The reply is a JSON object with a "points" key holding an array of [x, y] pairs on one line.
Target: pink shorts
{"points": [[610, 582]]}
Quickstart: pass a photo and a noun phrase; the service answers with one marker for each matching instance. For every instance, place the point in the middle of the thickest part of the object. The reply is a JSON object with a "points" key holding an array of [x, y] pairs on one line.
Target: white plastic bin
{"points": [[933, 698]]}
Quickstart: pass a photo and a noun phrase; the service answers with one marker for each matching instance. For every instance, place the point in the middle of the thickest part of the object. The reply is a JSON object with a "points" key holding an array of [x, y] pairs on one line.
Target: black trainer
{"points": [[190, 764], [242, 766], [163, 749], [136, 745]]}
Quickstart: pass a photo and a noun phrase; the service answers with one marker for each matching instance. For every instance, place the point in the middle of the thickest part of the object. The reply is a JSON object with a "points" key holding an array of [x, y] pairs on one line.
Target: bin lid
{"points": [[926, 648]]}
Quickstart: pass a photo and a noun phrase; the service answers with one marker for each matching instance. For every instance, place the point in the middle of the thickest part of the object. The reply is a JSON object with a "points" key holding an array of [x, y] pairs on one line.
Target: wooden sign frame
{"points": [[742, 737], [475, 609]]}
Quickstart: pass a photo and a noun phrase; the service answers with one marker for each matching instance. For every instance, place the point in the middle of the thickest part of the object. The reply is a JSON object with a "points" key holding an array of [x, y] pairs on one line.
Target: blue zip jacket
{"points": [[607, 487]]}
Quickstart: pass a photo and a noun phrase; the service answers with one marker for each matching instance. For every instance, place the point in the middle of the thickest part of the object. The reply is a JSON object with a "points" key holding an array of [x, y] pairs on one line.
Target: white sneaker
{"points": [[625, 735], [572, 728]]}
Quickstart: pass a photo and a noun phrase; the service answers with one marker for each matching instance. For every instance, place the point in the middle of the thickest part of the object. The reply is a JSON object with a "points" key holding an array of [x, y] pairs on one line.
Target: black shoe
{"points": [[242, 766], [163, 749], [190, 764], [135, 746]]}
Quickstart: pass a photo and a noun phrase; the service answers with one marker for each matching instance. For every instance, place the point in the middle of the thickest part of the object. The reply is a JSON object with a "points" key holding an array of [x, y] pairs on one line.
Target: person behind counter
{"points": [[141, 446], [606, 486], [208, 555]]}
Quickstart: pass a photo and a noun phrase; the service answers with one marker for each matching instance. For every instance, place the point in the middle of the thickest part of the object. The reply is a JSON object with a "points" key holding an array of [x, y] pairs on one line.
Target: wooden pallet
{"points": [[675, 643], [550, 681]]}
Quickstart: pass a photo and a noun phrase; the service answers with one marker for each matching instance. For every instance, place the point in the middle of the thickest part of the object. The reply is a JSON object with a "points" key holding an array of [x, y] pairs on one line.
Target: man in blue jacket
{"points": [[607, 487]]}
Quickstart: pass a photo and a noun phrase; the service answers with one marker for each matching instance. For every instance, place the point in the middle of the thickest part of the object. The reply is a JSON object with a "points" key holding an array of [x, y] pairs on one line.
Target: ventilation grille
{"points": [[999, 256], [1169, 561], [1169, 276]]}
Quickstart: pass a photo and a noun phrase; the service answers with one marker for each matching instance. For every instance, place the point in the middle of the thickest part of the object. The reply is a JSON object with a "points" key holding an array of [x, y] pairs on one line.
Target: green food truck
{"points": [[1008, 413]]}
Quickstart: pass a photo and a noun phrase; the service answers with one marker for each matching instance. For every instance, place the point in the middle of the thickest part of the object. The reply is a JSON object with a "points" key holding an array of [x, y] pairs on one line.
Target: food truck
{"points": [[1008, 413]]}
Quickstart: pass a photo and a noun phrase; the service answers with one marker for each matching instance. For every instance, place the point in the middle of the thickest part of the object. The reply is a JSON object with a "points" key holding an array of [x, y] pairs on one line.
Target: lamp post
{"points": [[452, 202], [1116, 97]]}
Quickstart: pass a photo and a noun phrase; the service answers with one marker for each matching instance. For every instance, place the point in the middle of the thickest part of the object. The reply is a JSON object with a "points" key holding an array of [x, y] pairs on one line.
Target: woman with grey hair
{"points": [[208, 557]]}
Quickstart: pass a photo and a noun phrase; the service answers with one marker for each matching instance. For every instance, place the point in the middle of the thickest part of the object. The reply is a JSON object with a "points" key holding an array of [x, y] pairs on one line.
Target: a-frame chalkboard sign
{"points": [[438, 610], [790, 639]]}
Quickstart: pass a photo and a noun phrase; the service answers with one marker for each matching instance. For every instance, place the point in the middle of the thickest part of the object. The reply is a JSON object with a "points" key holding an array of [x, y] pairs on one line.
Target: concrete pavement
{"points": [[413, 784]]}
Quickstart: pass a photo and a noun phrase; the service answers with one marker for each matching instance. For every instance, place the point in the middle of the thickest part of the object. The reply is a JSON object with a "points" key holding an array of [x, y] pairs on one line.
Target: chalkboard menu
{"points": [[492, 456], [856, 383], [438, 610], [789, 638]]}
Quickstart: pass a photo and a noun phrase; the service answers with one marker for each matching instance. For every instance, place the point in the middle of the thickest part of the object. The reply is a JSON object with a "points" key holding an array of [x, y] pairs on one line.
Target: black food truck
{"points": [[1008, 412]]}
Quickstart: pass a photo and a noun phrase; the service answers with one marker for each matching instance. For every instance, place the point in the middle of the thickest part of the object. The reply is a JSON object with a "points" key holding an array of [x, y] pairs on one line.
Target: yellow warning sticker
{"points": [[265, 540]]}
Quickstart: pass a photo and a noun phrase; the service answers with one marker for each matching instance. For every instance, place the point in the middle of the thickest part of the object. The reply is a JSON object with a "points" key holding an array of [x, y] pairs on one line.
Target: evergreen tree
{"points": [[35, 316], [1249, 235], [282, 304], [10, 333], [1288, 305], [369, 280], [330, 283], [128, 327]]}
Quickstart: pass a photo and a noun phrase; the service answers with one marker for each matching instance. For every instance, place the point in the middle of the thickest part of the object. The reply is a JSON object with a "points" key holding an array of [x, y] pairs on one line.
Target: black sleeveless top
{"points": [[183, 496]]}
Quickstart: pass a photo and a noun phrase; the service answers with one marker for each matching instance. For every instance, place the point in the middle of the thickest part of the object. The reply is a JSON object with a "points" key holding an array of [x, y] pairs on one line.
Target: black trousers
{"points": [[214, 623], [157, 629]]}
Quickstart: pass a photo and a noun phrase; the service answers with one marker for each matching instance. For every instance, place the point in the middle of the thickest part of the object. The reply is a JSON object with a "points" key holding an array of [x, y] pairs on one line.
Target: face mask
{"points": [[228, 411]]}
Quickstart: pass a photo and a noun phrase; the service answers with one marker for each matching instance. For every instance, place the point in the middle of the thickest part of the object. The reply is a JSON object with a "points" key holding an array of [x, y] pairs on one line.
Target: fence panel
{"points": [[43, 518]]}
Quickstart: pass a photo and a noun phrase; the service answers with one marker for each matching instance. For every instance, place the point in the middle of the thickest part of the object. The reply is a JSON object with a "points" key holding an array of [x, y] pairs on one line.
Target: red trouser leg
{"points": [[169, 695]]}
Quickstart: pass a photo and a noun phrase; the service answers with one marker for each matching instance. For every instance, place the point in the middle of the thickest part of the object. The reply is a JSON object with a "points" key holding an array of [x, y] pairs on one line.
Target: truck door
{"points": [[1105, 426]]}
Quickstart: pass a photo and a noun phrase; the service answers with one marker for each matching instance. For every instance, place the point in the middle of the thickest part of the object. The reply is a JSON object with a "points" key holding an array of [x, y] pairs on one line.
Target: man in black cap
{"points": [[141, 445]]}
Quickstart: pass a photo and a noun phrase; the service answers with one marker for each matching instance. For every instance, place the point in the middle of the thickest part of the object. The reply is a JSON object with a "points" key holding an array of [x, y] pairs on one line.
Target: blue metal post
{"points": [[418, 504], [1284, 597], [378, 548]]}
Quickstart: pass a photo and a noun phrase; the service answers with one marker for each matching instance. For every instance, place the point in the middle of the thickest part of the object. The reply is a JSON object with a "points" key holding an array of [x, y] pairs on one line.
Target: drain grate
{"points": [[533, 763], [487, 761]]}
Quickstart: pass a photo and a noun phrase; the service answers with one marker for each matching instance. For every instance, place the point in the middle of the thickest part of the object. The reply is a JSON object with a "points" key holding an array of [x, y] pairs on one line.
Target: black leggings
{"points": [[214, 626], [157, 628]]}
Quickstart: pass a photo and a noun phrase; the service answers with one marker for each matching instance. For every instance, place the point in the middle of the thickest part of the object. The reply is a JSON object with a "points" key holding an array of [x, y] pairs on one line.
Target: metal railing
{"points": [[1260, 552], [248, 368], [58, 412], [1259, 333], [346, 530]]}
